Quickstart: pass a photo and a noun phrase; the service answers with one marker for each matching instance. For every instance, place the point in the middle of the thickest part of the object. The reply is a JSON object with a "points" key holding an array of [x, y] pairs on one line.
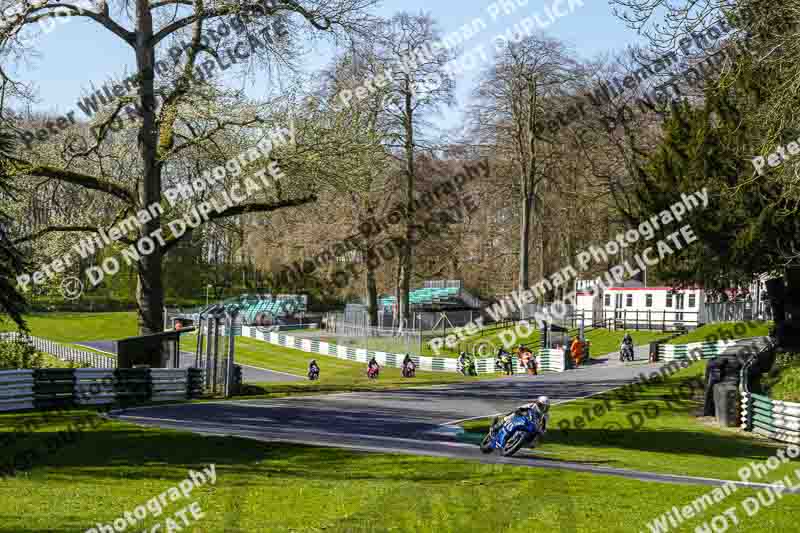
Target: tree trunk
{"points": [[524, 246], [406, 256], [150, 289], [372, 296]]}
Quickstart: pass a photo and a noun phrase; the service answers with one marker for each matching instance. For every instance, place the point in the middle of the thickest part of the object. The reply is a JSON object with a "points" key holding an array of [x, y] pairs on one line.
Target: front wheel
{"points": [[513, 443], [486, 443]]}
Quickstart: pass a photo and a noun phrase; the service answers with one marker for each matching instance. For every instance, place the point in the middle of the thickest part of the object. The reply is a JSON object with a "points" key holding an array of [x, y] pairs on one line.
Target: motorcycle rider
{"points": [[627, 343], [505, 361], [627, 339], [462, 362], [538, 410], [408, 363], [313, 367], [373, 364]]}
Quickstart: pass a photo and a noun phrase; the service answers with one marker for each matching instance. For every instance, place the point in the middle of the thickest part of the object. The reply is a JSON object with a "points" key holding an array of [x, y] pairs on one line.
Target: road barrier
{"points": [[66, 387], [708, 349], [547, 360], [16, 390], [775, 419], [65, 353]]}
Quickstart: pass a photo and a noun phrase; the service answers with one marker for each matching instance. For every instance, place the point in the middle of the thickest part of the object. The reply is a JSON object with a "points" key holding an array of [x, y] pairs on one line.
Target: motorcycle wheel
{"points": [[513, 444], [486, 444]]}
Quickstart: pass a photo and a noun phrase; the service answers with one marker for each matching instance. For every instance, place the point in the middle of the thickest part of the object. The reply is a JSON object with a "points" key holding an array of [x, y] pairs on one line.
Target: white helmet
{"points": [[544, 402]]}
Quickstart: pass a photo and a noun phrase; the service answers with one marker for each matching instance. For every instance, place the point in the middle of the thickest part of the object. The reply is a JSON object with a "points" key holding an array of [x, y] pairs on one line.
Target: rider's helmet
{"points": [[544, 403], [313, 362]]}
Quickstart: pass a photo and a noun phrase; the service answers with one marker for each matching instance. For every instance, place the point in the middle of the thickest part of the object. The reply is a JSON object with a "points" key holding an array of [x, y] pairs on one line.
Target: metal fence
{"points": [[737, 311], [359, 334]]}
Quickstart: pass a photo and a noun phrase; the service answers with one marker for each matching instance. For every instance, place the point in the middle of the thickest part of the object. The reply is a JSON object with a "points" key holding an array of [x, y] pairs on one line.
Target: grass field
{"points": [[336, 375], [653, 430], [77, 327], [726, 330], [603, 341], [113, 468]]}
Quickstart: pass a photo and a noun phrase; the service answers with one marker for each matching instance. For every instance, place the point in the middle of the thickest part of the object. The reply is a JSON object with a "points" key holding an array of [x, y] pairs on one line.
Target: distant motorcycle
{"points": [[466, 365], [626, 352], [503, 362], [409, 370], [372, 372], [313, 374], [522, 428]]}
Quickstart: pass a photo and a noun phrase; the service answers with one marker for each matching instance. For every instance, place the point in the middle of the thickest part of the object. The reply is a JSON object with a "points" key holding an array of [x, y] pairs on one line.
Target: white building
{"points": [[632, 305]]}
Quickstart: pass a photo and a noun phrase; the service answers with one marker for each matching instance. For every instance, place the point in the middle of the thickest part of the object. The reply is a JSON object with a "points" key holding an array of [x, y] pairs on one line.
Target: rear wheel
{"points": [[486, 443], [513, 443]]}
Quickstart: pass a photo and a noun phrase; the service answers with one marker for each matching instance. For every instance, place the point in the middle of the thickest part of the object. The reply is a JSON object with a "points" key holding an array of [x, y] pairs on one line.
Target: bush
{"points": [[783, 380], [19, 354]]}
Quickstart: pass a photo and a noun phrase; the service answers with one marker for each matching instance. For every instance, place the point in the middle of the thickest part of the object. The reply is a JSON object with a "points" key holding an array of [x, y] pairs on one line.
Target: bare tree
{"points": [[513, 99], [190, 115], [418, 83]]}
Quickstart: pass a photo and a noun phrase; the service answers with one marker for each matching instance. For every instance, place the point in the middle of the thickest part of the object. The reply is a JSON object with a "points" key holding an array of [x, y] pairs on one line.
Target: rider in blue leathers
{"points": [[538, 411]]}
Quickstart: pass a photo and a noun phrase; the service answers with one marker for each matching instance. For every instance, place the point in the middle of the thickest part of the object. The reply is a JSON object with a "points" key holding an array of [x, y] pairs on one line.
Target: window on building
{"points": [[608, 300], [692, 301], [629, 300], [669, 299], [648, 300]]}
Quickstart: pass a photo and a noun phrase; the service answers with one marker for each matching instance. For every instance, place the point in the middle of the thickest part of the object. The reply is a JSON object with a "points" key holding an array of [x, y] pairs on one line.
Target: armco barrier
{"points": [[16, 390], [94, 386], [169, 384], [64, 387], [53, 387], [775, 419], [547, 360], [708, 349]]}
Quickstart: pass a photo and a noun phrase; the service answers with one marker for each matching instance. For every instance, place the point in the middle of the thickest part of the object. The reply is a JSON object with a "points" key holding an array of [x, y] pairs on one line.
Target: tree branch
{"points": [[102, 18], [63, 229], [243, 209], [85, 181]]}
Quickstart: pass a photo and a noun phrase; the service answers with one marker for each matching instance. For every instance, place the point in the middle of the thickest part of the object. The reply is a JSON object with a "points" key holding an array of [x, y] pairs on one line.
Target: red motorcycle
{"points": [[373, 371]]}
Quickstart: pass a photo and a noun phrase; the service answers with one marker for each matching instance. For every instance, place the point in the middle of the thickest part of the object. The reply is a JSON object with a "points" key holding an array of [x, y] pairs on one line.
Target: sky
{"points": [[77, 54]]}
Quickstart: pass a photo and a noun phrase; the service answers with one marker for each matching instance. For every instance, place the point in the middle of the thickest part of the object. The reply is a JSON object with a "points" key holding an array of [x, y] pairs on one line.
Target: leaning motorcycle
{"points": [[313, 374], [519, 430]]}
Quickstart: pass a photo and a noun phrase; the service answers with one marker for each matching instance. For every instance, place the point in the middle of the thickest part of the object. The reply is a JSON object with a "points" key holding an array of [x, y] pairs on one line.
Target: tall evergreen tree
{"points": [[749, 226]]}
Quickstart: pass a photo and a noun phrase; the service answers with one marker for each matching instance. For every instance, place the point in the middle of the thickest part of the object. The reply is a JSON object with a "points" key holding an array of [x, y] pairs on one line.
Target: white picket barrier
{"points": [[547, 360]]}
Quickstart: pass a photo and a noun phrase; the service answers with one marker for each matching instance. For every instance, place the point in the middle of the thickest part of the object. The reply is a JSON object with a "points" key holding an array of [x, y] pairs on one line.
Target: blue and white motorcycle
{"points": [[525, 426]]}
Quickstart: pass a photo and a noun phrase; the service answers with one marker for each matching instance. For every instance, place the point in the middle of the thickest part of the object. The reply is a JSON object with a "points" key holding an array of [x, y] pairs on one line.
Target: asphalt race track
{"points": [[411, 421]]}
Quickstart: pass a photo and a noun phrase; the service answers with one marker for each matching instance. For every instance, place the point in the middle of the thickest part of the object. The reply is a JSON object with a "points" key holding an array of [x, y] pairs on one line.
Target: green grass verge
{"points": [[783, 380], [113, 468], [605, 342], [787, 387], [654, 430], [77, 327], [337, 375], [725, 330]]}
